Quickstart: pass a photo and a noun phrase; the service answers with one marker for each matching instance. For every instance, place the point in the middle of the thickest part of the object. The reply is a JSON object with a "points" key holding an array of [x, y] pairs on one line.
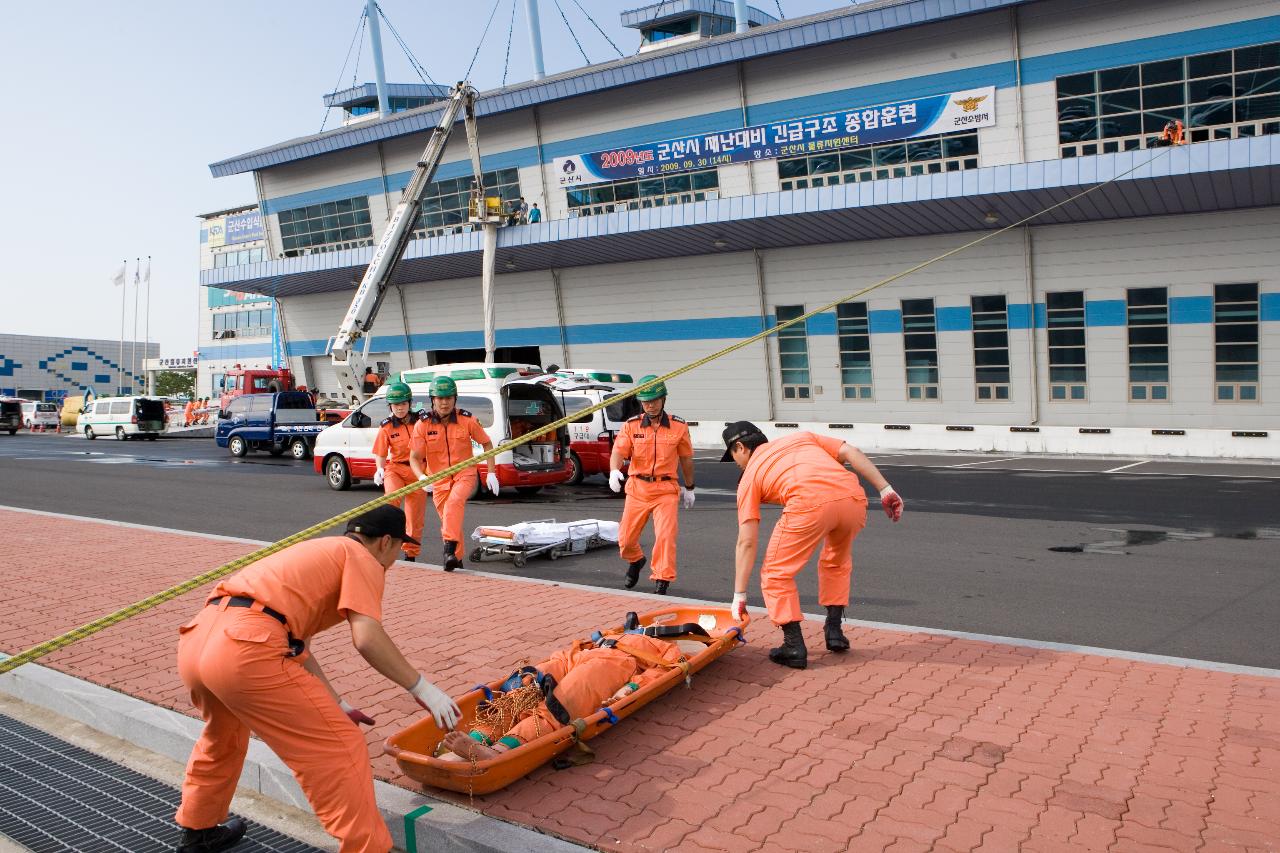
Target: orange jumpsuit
{"points": [[820, 499], [395, 439], [586, 677], [442, 442], [234, 661], [652, 488], [188, 412]]}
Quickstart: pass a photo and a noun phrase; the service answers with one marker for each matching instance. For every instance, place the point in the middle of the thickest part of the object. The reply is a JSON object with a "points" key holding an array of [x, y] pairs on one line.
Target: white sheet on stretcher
{"points": [[550, 532]]}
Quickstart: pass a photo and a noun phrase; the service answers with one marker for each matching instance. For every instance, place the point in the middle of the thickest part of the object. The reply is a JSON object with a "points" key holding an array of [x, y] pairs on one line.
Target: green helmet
{"points": [[399, 393], [657, 391], [444, 386]]}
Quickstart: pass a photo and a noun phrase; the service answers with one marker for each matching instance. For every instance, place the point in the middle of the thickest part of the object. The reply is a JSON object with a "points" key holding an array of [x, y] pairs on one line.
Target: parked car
{"points": [[286, 421], [10, 415], [40, 415], [591, 437], [505, 402], [123, 417]]}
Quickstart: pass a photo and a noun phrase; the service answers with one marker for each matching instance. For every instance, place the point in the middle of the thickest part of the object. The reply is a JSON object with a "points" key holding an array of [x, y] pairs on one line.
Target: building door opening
{"points": [[520, 355]]}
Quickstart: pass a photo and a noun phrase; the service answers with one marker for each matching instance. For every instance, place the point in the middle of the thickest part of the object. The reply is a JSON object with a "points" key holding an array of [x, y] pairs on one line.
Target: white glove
{"points": [[377, 477], [738, 607], [686, 498], [892, 503], [492, 482], [615, 480], [421, 477], [443, 709]]}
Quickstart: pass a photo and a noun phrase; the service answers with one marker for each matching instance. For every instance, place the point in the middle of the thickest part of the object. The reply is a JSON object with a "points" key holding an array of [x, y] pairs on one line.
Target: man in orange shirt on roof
{"points": [[656, 443], [442, 438], [245, 660], [821, 500], [391, 451]]}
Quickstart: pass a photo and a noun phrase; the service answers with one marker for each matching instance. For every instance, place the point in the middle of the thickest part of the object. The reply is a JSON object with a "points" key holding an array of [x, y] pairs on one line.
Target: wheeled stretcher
{"points": [[519, 542], [711, 632]]}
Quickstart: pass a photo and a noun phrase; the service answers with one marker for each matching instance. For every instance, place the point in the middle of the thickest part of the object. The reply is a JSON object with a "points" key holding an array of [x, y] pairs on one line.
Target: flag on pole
{"points": [[118, 278]]}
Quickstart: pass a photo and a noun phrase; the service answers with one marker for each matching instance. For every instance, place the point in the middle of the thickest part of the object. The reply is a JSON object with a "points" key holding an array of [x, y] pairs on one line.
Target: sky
{"points": [[121, 106]]}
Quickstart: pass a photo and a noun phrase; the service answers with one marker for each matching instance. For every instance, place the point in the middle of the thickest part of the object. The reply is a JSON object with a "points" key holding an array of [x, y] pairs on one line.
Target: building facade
{"points": [[694, 195], [49, 368]]}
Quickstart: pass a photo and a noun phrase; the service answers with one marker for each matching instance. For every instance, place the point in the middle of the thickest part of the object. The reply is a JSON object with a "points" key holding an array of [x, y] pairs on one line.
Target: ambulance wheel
{"points": [[238, 446], [298, 449], [518, 560], [575, 469], [89, 433], [120, 436], [528, 491], [337, 474]]}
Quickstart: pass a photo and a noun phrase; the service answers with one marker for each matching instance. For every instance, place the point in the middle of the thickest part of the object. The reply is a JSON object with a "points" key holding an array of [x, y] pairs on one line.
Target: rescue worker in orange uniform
{"points": [[656, 443], [245, 660], [582, 678], [188, 412], [391, 454], [442, 438], [821, 501]]}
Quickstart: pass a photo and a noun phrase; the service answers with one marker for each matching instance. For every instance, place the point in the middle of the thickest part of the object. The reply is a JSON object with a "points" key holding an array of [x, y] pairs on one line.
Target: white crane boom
{"points": [[349, 362]]}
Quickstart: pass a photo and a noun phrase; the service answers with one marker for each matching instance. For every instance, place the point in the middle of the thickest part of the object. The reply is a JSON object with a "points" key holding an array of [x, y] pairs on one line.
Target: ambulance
{"points": [[505, 398], [591, 436]]}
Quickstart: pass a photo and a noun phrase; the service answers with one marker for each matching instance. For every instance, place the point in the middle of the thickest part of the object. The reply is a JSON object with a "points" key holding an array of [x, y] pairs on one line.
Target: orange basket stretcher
{"points": [[414, 748]]}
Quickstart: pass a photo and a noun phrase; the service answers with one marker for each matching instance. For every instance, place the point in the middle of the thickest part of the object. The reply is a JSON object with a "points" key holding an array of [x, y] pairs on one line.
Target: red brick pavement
{"points": [[910, 742]]}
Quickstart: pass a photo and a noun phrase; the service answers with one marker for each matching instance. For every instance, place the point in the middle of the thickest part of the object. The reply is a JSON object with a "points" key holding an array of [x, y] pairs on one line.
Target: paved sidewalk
{"points": [[913, 741]]}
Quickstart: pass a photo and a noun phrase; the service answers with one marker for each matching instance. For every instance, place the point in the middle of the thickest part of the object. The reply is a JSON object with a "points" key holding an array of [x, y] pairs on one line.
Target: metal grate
{"points": [[56, 797]]}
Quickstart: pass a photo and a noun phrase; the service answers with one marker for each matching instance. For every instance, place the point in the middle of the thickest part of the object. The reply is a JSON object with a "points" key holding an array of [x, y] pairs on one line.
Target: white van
{"points": [[123, 417], [40, 415], [502, 397], [591, 437]]}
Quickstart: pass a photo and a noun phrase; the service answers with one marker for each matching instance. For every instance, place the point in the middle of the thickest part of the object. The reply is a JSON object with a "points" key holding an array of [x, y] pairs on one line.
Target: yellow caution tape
{"points": [[91, 628]]}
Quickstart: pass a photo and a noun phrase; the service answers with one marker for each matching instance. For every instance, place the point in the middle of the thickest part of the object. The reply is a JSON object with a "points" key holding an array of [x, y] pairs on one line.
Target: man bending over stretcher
{"points": [[584, 677]]}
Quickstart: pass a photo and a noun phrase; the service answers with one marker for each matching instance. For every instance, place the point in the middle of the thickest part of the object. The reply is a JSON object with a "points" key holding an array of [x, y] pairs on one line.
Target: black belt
{"points": [[658, 479], [296, 646]]}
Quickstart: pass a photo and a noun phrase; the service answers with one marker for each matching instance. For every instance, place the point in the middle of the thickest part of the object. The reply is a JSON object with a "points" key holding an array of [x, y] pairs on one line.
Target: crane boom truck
{"points": [[349, 358]]}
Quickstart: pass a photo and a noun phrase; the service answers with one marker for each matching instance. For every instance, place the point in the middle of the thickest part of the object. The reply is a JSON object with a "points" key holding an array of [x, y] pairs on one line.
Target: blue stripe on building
{"points": [[1190, 309], [1105, 312], [954, 318]]}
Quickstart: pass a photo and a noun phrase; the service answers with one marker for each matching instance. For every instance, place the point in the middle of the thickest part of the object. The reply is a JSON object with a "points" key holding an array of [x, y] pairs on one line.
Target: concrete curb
{"points": [[447, 826]]}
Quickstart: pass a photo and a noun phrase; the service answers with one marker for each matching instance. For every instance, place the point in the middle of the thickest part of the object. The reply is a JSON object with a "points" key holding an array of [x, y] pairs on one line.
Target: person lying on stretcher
{"points": [[573, 684]]}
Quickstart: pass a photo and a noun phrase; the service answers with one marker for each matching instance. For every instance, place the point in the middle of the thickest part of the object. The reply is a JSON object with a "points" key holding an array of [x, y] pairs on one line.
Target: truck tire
{"points": [[274, 386], [299, 449], [238, 446], [337, 474], [277, 450], [89, 433]]}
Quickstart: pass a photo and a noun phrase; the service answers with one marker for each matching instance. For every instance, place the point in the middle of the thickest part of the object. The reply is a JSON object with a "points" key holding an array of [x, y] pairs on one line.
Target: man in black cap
{"points": [[821, 502], [246, 661]]}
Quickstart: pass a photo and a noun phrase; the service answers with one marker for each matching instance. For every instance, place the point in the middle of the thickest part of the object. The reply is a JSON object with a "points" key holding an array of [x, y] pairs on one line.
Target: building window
{"points": [[855, 350], [1222, 95], [237, 257], [1235, 336], [396, 105], [793, 354], [920, 343], [928, 155], [326, 227], [637, 193], [1148, 315], [1067, 368], [254, 323], [990, 346], [445, 203]]}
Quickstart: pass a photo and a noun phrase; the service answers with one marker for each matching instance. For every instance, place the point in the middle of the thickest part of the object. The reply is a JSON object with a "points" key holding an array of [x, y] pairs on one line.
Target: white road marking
{"points": [[1126, 467], [985, 462]]}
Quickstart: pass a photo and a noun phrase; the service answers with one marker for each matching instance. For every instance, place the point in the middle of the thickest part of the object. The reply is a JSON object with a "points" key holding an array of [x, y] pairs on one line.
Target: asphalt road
{"points": [[1174, 558]]}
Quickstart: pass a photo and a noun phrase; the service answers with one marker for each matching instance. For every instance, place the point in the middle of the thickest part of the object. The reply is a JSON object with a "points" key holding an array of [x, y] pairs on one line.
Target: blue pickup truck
{"points": [[276, 423]]}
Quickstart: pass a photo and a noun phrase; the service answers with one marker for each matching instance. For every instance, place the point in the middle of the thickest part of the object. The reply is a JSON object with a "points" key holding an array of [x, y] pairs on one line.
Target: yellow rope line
{"points": [[52, 645]]}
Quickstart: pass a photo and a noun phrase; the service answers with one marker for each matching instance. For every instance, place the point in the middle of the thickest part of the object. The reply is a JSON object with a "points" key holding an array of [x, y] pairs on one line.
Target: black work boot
{"points": [[661, 587], [409, 558], [836, 640], [451, 559], [792, 652], [215, 838], [633, 572]]}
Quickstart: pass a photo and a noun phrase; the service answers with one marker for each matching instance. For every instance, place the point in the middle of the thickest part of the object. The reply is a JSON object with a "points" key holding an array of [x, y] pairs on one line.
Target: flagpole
{"points": [[147, 349], [133, 349], [124, 290]]}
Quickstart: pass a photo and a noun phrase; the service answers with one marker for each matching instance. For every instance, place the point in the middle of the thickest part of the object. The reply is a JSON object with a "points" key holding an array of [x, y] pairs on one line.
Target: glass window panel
{"points": [[961, 145], [991, 339], [824, 164], [1210, 89], [1066, 374], [1148, 373], [1237, 313], [1237, 352], [1236, 333], [1205, 115], [929, 149], [988, 303], [652, 187], [1163, 97], [1165, 71], [797, 168], [1148, 355], [1209, 64], [1070, 109], [856, 376], [1066, 337], [1115, 78], [1253, 109], [1139, 296], [798, 360], [1258, 56], [1077, 84], [922, 375], [889, 154], [1236, 373], [990, 357], [920, 341], [1148, 335], [706, 180], [859, 158], [1155, 122], [1077, 131], [601, 194], [1236, 292], [917, 306], [626, 191], [678, 183], [1249, 392], [1067, 355], [1160, 392], [1138, 393], [1065, 299], [1128, 101], [853, 346], [851, 310], [989, 375]]}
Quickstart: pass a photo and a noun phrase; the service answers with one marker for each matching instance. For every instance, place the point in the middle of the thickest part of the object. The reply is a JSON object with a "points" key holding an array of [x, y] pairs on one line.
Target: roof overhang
{"points": [[670, 10], [810, 31], [365, 91], [1202, 178]]}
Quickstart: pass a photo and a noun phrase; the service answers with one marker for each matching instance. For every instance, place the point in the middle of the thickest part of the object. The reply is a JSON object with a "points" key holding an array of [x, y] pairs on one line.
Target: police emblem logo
{"points": [[970, 104]]}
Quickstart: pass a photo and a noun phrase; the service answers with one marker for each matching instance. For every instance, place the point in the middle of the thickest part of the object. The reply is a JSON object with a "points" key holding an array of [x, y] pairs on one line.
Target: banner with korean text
{"points": [[928, 116]]}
